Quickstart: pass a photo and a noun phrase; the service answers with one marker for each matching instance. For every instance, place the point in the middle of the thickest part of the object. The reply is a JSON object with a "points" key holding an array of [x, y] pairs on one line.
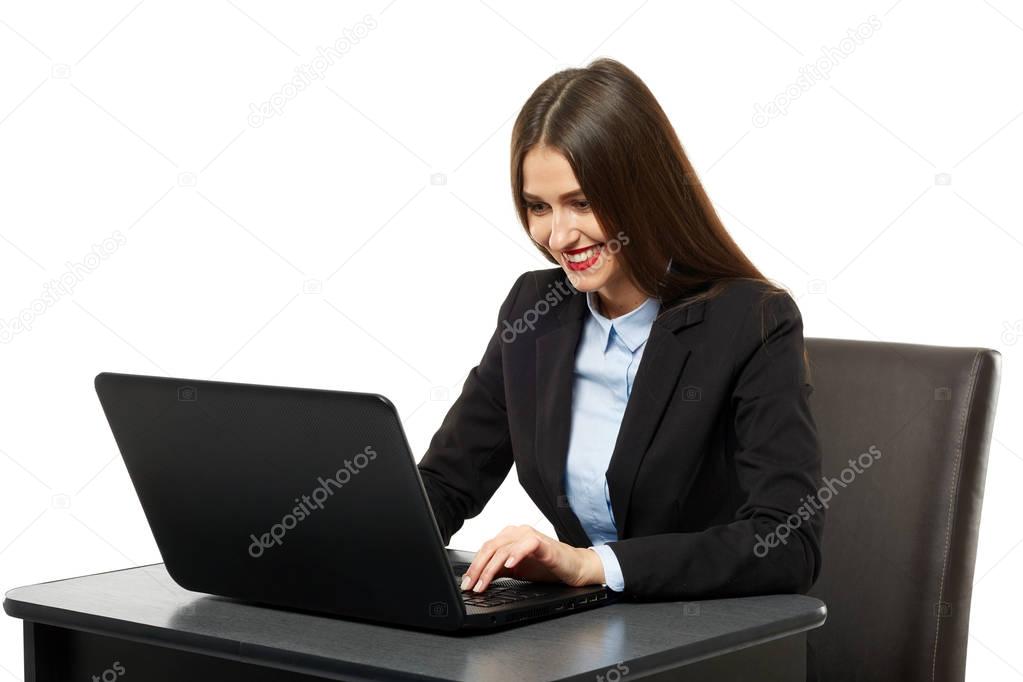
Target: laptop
{"points": [[305, 499]]}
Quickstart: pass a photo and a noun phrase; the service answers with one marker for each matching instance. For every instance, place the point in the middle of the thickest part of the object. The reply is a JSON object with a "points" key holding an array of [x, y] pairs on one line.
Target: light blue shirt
{"points": [[606, 362]]}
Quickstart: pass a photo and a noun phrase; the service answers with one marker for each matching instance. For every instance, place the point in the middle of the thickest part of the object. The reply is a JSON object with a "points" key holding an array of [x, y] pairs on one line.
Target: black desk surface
{"points": [[144, 604]]}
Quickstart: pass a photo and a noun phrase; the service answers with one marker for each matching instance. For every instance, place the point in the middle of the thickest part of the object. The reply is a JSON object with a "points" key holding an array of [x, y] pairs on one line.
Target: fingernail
{"points": [[479, 587], [466, 581], [508, 564]]}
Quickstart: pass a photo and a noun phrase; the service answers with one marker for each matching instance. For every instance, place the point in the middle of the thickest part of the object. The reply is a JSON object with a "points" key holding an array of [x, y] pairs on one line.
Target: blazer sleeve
{"points": [[470, 454], [773, 543]]}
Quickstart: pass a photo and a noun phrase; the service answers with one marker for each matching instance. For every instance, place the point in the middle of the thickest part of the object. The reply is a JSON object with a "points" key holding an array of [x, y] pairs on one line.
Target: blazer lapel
{"points": [[663, 360], [555, 365]]}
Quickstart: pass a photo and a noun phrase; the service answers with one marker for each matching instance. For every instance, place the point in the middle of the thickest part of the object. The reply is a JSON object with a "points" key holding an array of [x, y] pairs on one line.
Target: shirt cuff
{"points": [[612, 570]]}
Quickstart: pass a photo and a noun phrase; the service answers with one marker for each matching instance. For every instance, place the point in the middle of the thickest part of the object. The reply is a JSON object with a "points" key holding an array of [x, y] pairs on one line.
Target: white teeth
{"points": [[580, 257]]}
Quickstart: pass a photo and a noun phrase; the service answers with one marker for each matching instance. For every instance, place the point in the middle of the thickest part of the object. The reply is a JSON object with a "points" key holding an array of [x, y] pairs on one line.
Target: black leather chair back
{"points": [[900, 537]]}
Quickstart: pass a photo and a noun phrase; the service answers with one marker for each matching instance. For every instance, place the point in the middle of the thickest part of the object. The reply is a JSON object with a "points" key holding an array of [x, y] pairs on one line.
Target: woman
{"points": [[652, 390]]}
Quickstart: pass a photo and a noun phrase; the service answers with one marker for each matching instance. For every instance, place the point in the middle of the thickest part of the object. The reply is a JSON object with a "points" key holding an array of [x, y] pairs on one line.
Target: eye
{"points": [[583, 205], [535, 208]]}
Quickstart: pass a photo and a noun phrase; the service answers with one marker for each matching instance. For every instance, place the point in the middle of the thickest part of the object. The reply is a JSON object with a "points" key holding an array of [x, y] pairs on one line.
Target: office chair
{"points": [[900, 537]]}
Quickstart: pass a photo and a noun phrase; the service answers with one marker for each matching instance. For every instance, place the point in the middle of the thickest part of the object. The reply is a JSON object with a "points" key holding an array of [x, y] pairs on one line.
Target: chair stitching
{"points": [[951, 508]]}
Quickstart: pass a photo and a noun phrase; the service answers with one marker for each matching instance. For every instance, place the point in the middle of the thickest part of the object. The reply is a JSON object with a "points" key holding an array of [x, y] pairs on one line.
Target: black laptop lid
{"points": [[296, 497]]}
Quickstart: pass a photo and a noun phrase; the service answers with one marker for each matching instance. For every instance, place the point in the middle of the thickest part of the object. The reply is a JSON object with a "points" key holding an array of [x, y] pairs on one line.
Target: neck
{"points": [[617, 301]]}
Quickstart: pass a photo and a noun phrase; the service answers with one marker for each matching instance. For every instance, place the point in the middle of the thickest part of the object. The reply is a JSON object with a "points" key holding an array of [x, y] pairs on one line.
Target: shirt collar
{"points": [[632, 328]]}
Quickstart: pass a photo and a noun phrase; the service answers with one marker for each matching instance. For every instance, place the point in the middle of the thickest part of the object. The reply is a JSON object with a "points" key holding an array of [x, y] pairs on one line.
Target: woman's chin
{"points": [[586, 280]]}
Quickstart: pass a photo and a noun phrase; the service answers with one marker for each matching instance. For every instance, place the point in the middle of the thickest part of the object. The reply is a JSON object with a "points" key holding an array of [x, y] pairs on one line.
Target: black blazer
{"points": [[717, 448]]}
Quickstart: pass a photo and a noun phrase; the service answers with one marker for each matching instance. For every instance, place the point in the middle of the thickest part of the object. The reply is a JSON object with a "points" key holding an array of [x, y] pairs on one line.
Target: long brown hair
{"points": [[638, 180]]}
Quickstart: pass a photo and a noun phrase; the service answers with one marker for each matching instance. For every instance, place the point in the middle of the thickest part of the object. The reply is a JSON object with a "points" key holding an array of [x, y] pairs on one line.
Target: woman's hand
{"points": [[525, 553]]}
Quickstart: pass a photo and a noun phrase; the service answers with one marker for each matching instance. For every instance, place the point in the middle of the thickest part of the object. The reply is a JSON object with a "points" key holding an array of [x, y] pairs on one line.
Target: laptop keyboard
{"points": [[498, 593]]}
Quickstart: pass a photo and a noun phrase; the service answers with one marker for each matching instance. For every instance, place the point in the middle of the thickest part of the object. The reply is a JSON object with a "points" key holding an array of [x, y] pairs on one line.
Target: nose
{"points": [[564, 230]]}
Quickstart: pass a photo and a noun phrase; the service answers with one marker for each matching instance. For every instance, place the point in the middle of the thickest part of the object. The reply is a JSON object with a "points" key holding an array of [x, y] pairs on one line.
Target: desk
{"points": [[139, 624]]}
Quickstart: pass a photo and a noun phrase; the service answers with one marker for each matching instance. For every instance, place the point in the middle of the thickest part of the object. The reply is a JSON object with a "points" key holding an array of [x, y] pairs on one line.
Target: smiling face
{"points": [[561, 220]]}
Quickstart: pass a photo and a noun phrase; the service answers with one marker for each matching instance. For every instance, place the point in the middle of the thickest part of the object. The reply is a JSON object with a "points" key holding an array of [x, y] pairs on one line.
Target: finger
{"points": [[472, 573], [492, 569], [486, 551], [521, 549], [545, 551]]}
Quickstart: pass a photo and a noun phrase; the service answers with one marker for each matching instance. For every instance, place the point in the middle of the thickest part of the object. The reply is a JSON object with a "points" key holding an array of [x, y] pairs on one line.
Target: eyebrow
{"points": [[564, 196]]}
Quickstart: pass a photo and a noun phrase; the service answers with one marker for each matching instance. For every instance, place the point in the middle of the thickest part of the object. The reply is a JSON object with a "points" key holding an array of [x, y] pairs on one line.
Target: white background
{"points": [[894, 183]]}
